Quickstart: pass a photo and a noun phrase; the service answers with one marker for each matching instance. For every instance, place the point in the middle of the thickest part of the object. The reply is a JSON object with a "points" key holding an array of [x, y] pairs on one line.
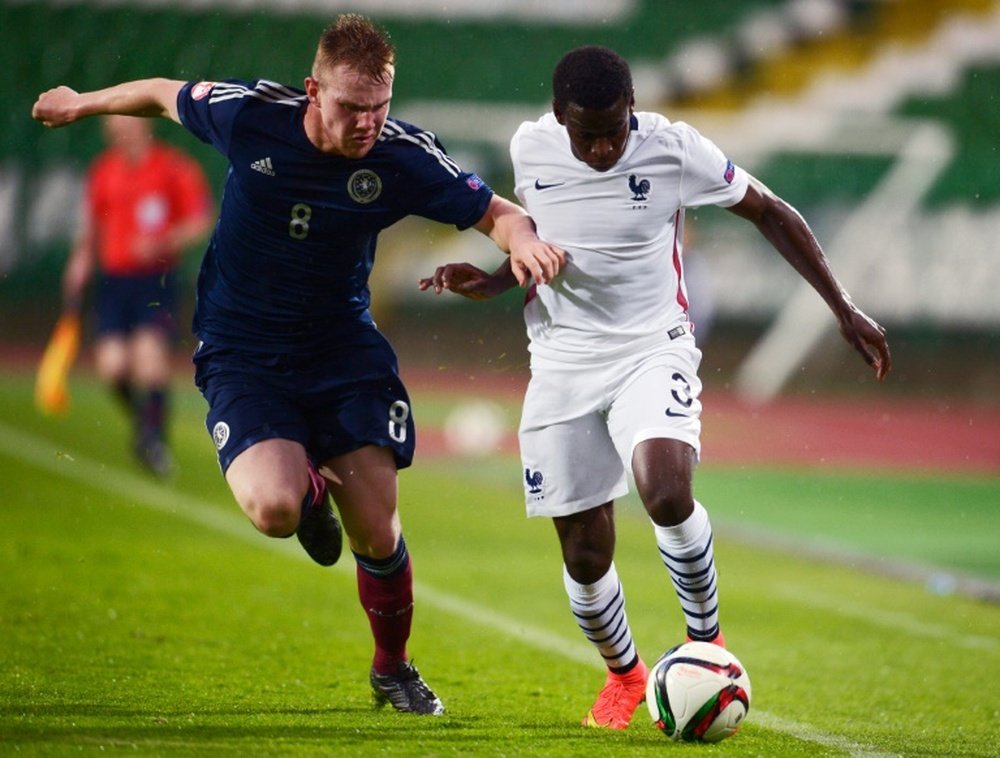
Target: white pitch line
{"points": [[894, 620], [41, 453], [810, 734]]}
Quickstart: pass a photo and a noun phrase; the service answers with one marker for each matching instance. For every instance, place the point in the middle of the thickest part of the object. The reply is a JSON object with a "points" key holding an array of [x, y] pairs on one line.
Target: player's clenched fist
{"points": [[55, 107]]}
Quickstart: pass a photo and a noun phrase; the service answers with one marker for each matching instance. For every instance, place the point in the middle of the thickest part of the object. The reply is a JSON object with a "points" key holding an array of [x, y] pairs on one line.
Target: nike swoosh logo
{"points": [[540, 186], [676, 415]]}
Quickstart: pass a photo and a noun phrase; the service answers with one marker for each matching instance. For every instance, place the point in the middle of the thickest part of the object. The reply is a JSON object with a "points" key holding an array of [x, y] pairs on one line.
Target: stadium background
{"points": [[857, 583], [876, 119]]}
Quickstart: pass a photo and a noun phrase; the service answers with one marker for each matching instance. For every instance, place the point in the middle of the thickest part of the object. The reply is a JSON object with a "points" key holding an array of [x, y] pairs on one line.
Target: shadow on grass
{"points": [[248, 728]]}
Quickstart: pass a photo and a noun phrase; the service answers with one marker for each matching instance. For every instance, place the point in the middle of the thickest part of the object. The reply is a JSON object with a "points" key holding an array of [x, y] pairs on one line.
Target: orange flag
{"points": [[52, 382]]}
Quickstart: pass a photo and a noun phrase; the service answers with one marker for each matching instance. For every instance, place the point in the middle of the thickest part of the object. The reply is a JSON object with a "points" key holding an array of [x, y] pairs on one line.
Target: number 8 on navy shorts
{"points": [[334, 403]]}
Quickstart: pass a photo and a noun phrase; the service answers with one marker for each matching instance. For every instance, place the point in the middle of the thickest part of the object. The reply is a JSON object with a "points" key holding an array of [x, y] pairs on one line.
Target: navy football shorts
{"points": [[127, 302], [331, 404]]}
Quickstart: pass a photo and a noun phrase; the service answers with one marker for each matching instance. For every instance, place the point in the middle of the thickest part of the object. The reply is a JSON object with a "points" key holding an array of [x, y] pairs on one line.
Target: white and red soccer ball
{"points": [[698, 692]]}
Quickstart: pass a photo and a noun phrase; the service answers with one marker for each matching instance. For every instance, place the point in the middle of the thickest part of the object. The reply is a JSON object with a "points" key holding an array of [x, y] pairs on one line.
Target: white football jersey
{"points": [[622, 288]]}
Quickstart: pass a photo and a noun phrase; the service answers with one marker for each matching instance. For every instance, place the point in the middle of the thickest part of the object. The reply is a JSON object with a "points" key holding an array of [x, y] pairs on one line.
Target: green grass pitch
{"points": [[149, 618]]}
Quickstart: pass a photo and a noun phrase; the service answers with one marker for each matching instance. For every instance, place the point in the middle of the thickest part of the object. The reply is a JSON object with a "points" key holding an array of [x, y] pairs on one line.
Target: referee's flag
{"points": [[52, 382]]}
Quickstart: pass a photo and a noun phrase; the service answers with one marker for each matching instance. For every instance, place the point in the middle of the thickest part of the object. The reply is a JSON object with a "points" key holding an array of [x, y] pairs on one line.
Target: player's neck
{"points": [[312, 122]]}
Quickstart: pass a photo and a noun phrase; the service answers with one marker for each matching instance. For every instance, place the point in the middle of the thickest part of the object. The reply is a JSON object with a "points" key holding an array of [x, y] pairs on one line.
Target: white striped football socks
{"points": [[686, 550], [599, 609]]}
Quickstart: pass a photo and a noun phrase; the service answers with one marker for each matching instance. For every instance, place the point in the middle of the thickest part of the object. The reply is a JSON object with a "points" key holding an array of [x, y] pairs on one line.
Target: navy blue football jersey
{"points": [[286, 270]]}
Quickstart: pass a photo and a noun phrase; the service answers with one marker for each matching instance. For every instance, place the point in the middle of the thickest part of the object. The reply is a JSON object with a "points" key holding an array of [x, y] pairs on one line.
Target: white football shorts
{"points": [[580, 424]]}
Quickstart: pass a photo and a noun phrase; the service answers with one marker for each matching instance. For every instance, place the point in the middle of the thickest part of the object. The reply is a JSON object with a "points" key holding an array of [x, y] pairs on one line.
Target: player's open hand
{"points": [[56, 107], [469, 281], [536, 259], [868, 338]]}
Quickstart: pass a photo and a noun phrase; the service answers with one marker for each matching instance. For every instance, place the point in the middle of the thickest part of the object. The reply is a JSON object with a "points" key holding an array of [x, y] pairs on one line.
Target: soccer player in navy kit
{"points": [[303, 390]]}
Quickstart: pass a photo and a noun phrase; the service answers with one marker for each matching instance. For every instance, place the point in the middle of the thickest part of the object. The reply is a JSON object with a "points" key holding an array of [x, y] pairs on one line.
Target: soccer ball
{"points": [[698, 692]]}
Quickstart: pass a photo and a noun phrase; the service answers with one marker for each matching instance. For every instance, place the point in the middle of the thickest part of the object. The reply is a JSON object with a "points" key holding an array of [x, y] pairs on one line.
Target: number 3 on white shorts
{"points": [[399, 414]]}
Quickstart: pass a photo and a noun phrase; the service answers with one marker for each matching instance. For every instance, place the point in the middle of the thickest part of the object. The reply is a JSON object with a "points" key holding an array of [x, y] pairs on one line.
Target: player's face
{"points": [[353, 108], [598, 137]]}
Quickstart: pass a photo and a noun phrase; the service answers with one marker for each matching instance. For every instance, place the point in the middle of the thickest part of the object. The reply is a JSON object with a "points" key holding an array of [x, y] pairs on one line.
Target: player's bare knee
{"points": [[273, 516], [669, 503]]}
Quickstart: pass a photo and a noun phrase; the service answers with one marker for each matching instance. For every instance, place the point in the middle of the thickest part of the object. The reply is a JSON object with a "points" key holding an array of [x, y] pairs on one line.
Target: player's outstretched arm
{"points": [[791, 236], [470, 281], [513, 230], [145, 97]]}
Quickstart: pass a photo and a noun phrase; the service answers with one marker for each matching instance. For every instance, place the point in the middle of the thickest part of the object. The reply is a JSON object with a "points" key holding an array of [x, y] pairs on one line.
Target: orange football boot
{"points": [[619, 698], [719, 640]]}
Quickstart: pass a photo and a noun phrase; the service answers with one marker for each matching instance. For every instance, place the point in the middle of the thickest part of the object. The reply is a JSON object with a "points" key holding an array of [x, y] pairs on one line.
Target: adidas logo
{"points": [[264, 166]]}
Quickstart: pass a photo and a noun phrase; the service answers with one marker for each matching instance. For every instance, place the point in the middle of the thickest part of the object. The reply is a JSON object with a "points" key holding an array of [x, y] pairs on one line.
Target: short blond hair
{"points": [[358, 42]]}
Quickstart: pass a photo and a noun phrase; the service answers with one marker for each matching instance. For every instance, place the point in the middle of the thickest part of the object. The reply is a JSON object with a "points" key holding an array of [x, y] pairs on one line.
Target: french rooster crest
{"points": [[639, 187], [534, 480]]}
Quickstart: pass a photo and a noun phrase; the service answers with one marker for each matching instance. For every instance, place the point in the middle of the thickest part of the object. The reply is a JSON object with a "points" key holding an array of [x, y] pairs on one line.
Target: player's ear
{"points": [[312, 90], [558, 112]]}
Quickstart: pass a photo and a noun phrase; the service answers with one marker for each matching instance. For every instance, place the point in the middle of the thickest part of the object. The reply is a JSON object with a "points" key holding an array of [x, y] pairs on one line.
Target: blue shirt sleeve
{"points": [[439, 189], [208, 109]]}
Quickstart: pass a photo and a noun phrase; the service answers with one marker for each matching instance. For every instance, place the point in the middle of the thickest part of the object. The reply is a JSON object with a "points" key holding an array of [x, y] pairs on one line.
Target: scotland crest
{"points": [[364, 186]]}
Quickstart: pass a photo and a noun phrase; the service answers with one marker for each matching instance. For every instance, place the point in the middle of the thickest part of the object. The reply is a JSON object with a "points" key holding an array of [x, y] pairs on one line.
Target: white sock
{"points": [[686, 550], [599, 609]]}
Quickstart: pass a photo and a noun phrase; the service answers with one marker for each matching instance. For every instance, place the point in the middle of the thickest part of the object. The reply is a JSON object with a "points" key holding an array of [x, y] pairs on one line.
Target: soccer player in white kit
{"points": [[614, 366]]}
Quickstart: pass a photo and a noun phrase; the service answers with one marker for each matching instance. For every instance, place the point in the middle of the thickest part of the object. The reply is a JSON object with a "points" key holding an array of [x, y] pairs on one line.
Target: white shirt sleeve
{"points": [[709, 177]]}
